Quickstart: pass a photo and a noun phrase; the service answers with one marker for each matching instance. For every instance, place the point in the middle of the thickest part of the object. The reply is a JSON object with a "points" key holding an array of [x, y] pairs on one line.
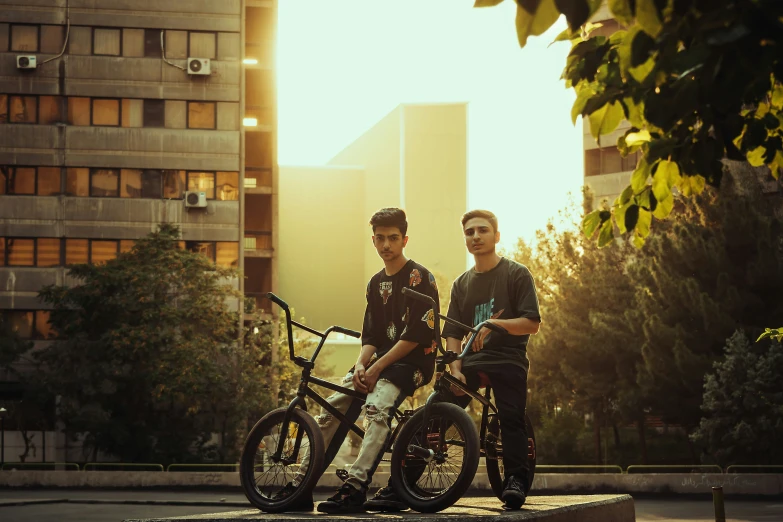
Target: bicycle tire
{"points": [[414, 495], [494, 463], [247, 463]]}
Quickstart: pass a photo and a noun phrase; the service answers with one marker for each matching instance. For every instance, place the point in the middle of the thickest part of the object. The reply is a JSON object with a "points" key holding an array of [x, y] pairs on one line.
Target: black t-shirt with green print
{"points": [[391, 317], [505, 292]]}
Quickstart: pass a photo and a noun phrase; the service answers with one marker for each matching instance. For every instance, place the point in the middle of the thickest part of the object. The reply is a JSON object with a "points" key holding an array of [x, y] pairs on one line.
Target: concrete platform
{"points": [[564, 508]]}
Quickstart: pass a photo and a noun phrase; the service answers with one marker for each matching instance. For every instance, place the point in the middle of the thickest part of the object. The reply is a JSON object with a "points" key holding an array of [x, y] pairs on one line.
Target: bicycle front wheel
{"points": [[432, 484], [263, 478]]}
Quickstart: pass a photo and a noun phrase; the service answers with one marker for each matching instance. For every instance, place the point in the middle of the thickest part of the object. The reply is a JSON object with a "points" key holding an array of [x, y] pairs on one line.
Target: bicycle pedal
{"points": [[342, 474]]}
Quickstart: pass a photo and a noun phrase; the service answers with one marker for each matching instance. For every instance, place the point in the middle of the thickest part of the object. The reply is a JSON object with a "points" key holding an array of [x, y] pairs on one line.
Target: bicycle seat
{"points": [[483, 380]]}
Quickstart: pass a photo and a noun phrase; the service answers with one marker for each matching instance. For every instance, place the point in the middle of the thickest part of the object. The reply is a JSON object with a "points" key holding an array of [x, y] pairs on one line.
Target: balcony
{"points": [[258, 243], [258, 181]]}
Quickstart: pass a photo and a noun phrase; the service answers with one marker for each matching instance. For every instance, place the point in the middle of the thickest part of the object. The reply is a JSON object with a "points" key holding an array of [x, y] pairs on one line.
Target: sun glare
{"points": [[349, 62]]}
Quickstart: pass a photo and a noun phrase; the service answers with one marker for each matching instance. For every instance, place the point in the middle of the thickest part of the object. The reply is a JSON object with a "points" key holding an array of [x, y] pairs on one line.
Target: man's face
{"points": [[480, 237], [389, 242]]}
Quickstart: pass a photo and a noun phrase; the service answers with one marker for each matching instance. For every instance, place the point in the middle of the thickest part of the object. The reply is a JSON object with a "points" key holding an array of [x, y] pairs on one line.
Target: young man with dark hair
{"points": [[396, 358], [502, 291]]}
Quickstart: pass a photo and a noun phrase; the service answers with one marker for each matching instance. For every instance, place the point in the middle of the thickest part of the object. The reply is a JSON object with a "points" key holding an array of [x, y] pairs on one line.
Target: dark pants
{"points": [[509, 390]]}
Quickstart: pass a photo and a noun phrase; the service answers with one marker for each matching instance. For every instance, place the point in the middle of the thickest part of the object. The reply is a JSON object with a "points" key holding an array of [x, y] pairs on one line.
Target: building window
{"points": [[201, 115], [258, 149], [202, 182], [22, 109], [20, 251], [79, 111], [154, 113], [47, 252], [105, 183], [136, 183], [77, 181], [102, 250], [42, 328], [106, 42], [77, 251], [227, 254], [20, 322], [228, 186], [52, 38], [173, 184], [205, 248], [106, 112], [21, 182], [48, 181], [24, 38], [151, 181], [126, 245], [152, 43], [202, 45], [608, 160], [40, 252], [49, 109]]}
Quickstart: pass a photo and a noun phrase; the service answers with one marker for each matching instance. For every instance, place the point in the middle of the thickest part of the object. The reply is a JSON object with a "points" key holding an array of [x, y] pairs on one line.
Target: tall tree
{"points": [[715, 267], [149, 365], [743, 404]]}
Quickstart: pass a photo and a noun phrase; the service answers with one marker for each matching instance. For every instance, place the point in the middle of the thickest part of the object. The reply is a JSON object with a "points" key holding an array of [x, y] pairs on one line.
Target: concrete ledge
{"points": [[545, 483], [568, 508]]}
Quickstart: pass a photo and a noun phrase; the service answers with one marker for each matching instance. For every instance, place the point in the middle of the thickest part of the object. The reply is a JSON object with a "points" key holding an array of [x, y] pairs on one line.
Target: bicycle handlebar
{"points": [[346, 331], [282, 304]]}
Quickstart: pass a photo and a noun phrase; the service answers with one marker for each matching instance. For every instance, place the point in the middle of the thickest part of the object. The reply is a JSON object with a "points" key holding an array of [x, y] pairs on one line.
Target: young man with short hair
{"points": [[502, 291], [399, 332]]}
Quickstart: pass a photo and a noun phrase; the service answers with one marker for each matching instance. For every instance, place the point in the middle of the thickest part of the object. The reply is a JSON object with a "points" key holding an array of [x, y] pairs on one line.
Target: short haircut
{"points": [[390, 217], [486, 214]]}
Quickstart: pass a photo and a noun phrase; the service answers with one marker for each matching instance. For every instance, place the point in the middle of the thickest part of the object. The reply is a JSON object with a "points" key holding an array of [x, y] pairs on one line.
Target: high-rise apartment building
{"points": [[116, 116]]}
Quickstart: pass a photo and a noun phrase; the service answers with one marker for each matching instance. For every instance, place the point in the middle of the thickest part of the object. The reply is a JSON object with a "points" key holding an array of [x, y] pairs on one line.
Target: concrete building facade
{"points": [[415, 158], [100, 142]]}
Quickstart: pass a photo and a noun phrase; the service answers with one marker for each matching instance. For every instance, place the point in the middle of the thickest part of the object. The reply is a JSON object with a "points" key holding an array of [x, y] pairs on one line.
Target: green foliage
{"points": [[698, 81], [743, 404], [12, 347], [149, 363], [556, 436]]}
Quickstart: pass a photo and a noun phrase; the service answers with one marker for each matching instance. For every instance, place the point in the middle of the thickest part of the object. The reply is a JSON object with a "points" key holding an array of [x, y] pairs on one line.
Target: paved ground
{"points": [[670, 509]]}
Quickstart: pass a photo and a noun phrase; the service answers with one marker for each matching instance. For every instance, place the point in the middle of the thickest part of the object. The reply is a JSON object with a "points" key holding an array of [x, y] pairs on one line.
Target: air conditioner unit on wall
{"points": [[195, 199], [26, 61], [200, 66]]}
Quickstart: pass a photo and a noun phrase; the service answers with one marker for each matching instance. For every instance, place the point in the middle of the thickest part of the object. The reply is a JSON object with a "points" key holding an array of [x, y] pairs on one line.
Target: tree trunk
{"points": [[597, 437], [616, 431], [642, 438], [692, 449]]}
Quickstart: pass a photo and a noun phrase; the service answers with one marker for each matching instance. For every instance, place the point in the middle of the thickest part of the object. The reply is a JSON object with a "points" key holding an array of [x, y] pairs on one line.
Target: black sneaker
{"points": [[304, 503], [514, 493], [385, 500], [348, 499]]}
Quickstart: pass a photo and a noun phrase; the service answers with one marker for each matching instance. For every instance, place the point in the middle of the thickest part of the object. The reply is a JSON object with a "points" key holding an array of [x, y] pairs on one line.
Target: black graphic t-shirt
{"points": [[391, 317], [505, 292]]}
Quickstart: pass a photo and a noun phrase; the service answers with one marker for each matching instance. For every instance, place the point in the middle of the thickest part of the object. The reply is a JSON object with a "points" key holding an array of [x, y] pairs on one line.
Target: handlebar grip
{"points": [[346, 331], [417, 296], [272, 297]]}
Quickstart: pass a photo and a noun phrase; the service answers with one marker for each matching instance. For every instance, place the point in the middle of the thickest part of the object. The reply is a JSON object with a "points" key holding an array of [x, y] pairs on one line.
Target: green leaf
{"points": [[487, 3], [621, 10], [772, 333], [777, 96], [647, 17], [606, 119], [576, 12], [631, 217], [626, 195], [536, 23], [564, 35], [756, 156], [666, 176], [637, 138], [639, 176], [591, 222], [638, 241], [664, 207], [584, 94], [607, 234], [634, 112], [644, 222]]}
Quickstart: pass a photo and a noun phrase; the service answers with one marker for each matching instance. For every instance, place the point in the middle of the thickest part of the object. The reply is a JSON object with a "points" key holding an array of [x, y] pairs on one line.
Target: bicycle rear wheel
{"points": [[263, 479], [431, 485], [493, 448]]}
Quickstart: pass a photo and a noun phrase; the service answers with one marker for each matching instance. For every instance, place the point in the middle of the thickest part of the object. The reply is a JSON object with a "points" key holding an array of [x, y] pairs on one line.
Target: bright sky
{"points": [[344, 64]]}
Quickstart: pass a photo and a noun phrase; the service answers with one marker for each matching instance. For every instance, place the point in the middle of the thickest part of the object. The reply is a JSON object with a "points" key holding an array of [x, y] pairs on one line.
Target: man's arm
{"points": [[397, 352], [359, 371], [455, 368]]}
